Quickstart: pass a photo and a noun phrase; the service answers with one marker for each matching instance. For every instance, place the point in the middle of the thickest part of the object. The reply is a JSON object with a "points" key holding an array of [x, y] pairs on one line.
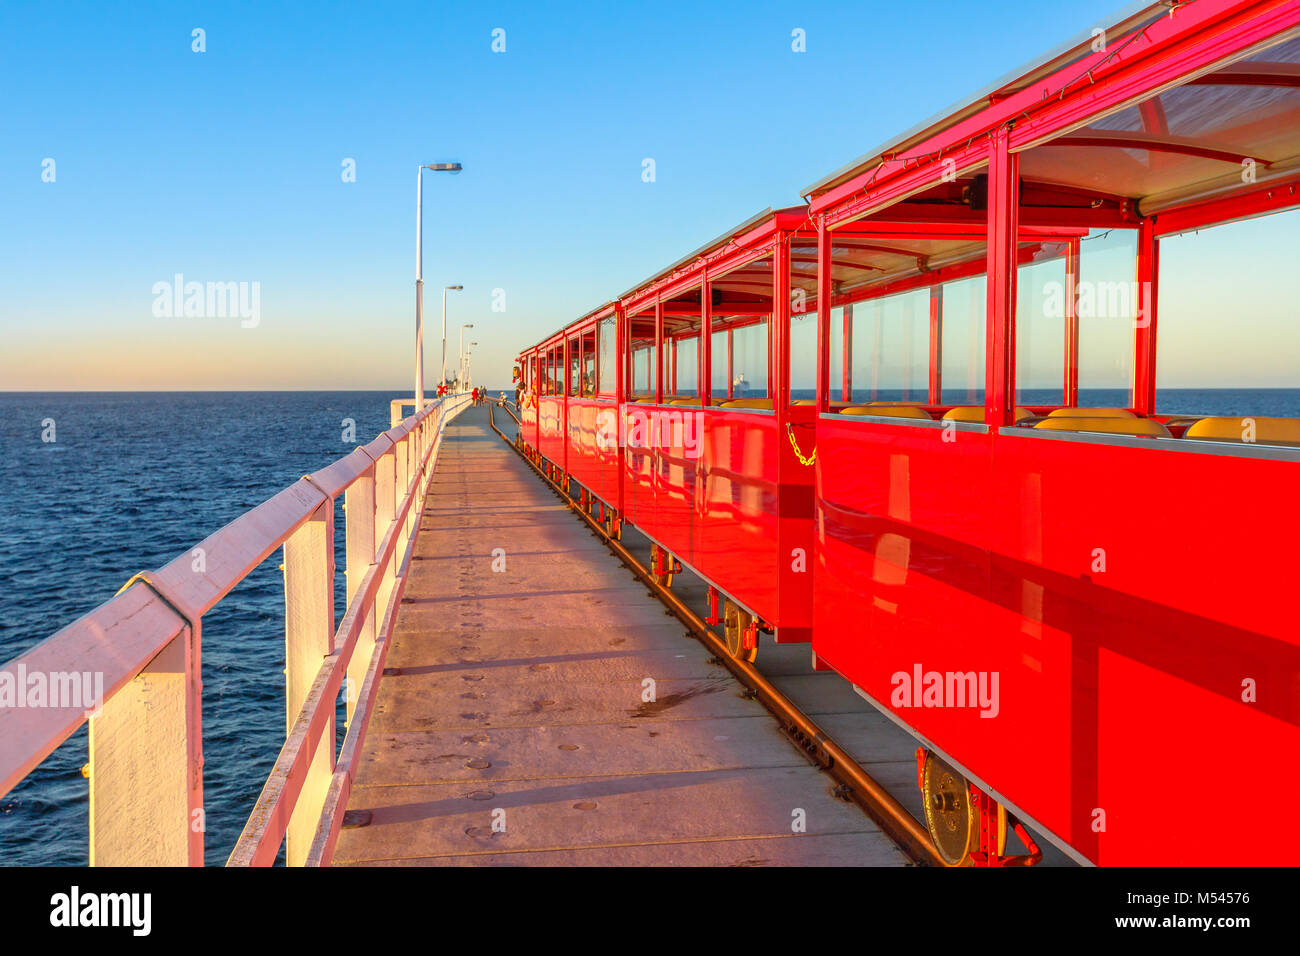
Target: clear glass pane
{"points": [[607, 375], [688, 363], [718, 361], [1107, 300], [891, 348], [837, 355], [1229, 339], [749, 361], [965, 304], [803, 356], [1040, 333]]}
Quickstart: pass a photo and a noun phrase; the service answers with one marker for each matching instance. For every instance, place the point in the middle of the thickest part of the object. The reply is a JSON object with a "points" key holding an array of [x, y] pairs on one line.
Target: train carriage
{"points": [[1070, 605], [916, 422]]}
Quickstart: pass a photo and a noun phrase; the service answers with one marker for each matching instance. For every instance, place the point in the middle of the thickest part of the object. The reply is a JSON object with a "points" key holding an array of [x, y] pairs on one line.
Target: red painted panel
{"points": [[1124, 596], [550, 425], [735, 542], [593, 446]]}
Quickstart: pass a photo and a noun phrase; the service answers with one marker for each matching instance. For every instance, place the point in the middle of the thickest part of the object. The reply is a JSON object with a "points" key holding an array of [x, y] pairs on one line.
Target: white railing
{"points": [[146, 752]]}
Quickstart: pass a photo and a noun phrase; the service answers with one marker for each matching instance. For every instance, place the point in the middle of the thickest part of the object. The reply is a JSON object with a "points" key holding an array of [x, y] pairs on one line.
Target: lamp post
{"points": [[419, 278], [460, 351], [453, 288], [468, 352]]}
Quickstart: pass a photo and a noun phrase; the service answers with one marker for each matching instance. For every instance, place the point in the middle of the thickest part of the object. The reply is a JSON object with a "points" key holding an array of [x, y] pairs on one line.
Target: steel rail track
{"points": [[854, 783]]}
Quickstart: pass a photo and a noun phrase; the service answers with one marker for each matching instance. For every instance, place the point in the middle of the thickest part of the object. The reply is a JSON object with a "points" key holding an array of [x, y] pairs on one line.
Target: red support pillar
{"points": [[779, 330], [1004, 215], [705, 377], [1145, 310], [847, 395], [1071, 394], [936, 343], [659, 351], [730, 367], [622, 351], [823, 315]]}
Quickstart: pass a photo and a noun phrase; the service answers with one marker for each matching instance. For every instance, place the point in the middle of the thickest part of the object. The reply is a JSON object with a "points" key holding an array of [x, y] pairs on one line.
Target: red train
{"points": [[861, 421]]}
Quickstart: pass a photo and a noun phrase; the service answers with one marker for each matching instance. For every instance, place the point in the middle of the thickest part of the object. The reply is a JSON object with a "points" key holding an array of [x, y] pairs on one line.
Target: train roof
{"points": [[1131, 17]]}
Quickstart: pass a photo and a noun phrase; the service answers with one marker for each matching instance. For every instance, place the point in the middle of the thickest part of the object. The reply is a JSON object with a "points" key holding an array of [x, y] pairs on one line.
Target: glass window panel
{"points": [[1040, 333], [803, 356], [891, 348], [1229, 339], [718, 361], [587, 386], [1107, 299], [574, 367], [688, 363], [642, 364], [749, 361], [965, 304], [606, 372]]}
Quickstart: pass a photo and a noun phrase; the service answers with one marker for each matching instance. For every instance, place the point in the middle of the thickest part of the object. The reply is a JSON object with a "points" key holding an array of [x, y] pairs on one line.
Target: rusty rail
{"points": [[146, 757]]}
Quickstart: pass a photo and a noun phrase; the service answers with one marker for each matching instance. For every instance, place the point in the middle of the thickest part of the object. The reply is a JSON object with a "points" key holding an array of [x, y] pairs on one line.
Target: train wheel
{"points": [[736, 621], [950, 815], [661, 566]]}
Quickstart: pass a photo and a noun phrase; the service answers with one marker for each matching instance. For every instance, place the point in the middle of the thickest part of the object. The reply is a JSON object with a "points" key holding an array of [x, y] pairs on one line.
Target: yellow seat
{"points": [[747, 403], [1090, 413], [975, 413], [682, 401], [804, 401], [1148, 427], [1266, 431], [887, 411], [876, 404]]}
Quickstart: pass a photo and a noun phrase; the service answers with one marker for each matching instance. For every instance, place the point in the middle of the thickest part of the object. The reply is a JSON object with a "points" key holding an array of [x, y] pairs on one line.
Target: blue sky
{"points": [[225, 165]]}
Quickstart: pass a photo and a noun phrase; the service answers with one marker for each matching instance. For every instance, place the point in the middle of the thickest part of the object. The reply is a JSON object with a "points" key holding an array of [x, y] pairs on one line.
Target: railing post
{"points": [[146, 784], [385, 509], [359, 510], [309, 638]]}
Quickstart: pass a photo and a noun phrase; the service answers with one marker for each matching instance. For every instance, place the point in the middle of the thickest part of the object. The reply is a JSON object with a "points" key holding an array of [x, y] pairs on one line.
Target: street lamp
{"points": [[468, 353], [419, 277], [454, 288], [460, 353]]}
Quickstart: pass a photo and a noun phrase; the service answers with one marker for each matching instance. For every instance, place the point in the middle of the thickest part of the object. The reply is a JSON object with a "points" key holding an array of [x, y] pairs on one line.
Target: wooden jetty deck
{"points": [[511, 725]]}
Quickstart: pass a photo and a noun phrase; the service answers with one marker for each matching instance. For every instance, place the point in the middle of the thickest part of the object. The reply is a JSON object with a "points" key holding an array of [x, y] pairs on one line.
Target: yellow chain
{"points": [[797, 452]]}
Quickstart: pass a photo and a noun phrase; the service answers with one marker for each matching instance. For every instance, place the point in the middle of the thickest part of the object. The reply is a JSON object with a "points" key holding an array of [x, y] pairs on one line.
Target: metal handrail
{"points": [[146, 789]]}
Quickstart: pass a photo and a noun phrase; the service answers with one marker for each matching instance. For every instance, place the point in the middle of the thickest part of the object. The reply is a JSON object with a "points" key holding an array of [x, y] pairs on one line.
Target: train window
{"points": [[1040, 329], [553, 387], [587, 384], [963, 335], [890, 342], [686, 366], [719, 375], [1230, 347], [749, 358], [840, 377], [606, 343], [643, 359], [1108, 301], [575, 365], [803, 356]]}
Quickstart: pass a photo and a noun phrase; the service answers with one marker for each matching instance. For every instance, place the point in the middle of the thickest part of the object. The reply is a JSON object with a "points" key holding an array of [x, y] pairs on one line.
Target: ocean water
{"points": [[131, 481], [134, 479]]}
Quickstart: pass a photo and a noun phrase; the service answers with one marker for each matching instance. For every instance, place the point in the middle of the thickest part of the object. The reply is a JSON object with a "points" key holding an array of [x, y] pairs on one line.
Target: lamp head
{"points": [[444, 167]]}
